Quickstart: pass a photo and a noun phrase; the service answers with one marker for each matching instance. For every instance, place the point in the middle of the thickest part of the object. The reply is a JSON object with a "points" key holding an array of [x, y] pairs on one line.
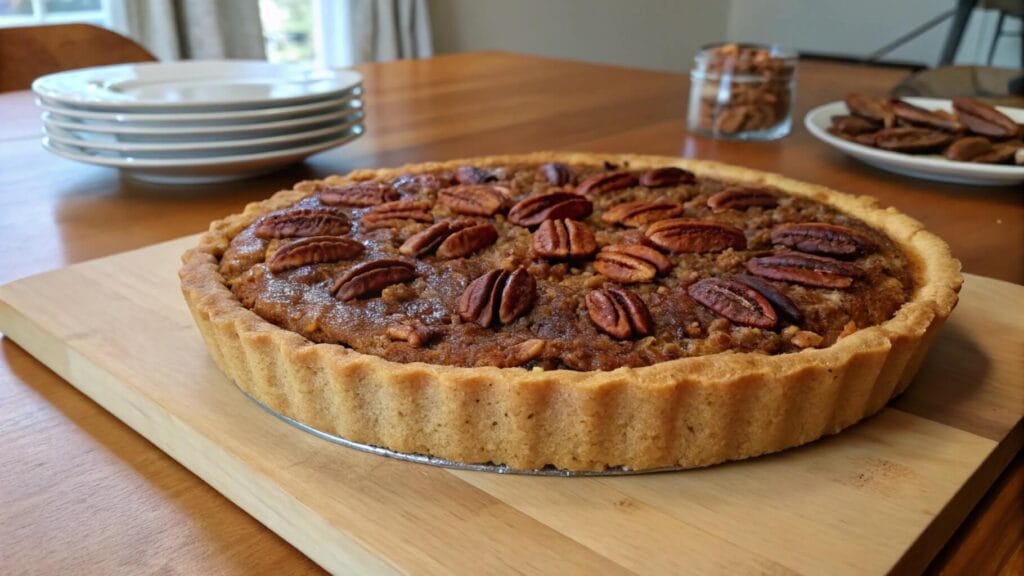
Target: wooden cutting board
{"points": [[883, 495]]}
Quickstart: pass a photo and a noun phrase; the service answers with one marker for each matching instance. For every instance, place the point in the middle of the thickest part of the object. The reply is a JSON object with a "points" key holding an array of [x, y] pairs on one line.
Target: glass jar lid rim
{"points": [[775, 50]]}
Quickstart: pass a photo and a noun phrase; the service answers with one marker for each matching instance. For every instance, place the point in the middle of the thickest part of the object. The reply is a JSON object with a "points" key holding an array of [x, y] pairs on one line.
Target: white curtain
{"points": [[197, 29], [349, 32], [390, 30]]}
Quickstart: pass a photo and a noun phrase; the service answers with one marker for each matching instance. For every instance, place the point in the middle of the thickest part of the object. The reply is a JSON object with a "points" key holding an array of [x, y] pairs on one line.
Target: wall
{"points": [[660, 34], [665, 34], [857, 28]]}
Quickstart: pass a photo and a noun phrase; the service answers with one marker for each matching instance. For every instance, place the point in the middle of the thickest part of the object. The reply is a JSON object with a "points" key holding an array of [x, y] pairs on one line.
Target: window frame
{"points": [[110, 14], [332, 32]]}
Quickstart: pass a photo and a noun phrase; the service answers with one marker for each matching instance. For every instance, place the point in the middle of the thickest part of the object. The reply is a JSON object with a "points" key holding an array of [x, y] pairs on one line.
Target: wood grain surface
{"points": [[880, 495], [73, 464]]}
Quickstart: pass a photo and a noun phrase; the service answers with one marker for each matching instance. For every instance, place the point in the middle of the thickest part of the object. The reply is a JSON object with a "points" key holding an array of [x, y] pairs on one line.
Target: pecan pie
{"points": [[571, 310]]}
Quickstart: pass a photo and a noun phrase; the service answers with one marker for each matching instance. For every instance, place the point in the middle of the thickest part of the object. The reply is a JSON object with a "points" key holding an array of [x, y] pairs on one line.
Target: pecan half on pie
{"points": [[571, 310]]}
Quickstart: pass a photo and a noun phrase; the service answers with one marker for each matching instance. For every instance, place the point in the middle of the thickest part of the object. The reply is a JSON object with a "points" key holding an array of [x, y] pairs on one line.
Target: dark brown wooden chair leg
{"points": [[956, 31]]}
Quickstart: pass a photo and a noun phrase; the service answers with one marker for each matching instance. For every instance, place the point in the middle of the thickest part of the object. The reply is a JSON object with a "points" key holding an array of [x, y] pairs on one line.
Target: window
{"points": [[307, 31], [106, 13], [287, 29]]}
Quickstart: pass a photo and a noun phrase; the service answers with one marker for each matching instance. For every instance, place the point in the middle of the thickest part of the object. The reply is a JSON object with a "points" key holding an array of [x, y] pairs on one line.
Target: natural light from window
{"points": [[288, 29], [307, 30], [31, 12], [293, 30]]}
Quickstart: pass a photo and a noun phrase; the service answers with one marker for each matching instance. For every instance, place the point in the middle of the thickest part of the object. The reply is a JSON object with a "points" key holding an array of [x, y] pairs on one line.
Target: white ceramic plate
{"points": [[928, 166], [224, 118], [206, 170], [194, 85], [175, 133], [196, 148]]}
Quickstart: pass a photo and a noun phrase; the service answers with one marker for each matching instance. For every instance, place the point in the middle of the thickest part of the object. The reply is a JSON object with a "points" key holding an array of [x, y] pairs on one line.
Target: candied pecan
{"points": [[303, 222], [938, 119], [730, 120], [422, 183], [397, 214], [982, 118], [824, 239], [416, 333], [474, 175], [805, 269], [761, 115], [660, 262], [427, 240], [606, 182], [782, 304], [667, 176], [535, 209], [313, 250], [525, 351], [498, 297], [450, 239], [684, 235], [361, 194], [848, 329], [911, 140], [369, 278], [556, 173], [564, 239], [849, 125], [735, 301], [741, 198], [968, 148], [806, 339], [1000, 154], [867, 139], [642, 212], [465, 241], [875, 109], [619, 313], [473, 199], [631, 263]]}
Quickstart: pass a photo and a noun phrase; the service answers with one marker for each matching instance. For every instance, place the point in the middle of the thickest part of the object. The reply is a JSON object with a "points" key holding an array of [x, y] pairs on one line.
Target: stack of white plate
{"points": [[198, 121]]}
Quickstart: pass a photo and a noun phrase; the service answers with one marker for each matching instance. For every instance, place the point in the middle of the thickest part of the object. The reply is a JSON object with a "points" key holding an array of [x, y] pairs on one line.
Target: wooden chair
{"points": [[1013, 8], [962, 14], [29, 52]]}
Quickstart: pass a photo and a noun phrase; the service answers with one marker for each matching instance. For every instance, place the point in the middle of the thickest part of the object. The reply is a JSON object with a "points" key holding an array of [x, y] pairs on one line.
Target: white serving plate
{"points": [[927, 166], [190, 155], [222, 118], [194, 85], [196, 148], [203, 170], [175, 133]]}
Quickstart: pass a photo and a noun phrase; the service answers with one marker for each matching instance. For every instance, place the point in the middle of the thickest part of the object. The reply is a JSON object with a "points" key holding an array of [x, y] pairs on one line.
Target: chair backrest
{"points": [[28, 52], [1011, 7]]}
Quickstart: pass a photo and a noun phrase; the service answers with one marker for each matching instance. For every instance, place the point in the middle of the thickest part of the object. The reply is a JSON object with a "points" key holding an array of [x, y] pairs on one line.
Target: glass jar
{"points": [[742, 91]]}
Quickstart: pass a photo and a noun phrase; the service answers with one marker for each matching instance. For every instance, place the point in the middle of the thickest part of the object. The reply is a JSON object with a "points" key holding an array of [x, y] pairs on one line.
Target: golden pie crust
{"points": [[688, 412]]}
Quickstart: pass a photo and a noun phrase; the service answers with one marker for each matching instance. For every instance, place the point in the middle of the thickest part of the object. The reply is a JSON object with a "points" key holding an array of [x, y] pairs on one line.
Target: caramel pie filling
{"points": [[564, 266]]}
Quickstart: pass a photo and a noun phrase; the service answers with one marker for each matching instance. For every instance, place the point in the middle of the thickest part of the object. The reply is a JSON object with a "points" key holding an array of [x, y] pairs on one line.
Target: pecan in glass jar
{"points": [[742, 91]]}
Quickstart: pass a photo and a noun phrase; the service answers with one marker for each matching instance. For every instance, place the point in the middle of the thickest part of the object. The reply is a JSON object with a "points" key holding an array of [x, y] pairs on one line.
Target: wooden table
{"points": [[82, 493]]}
